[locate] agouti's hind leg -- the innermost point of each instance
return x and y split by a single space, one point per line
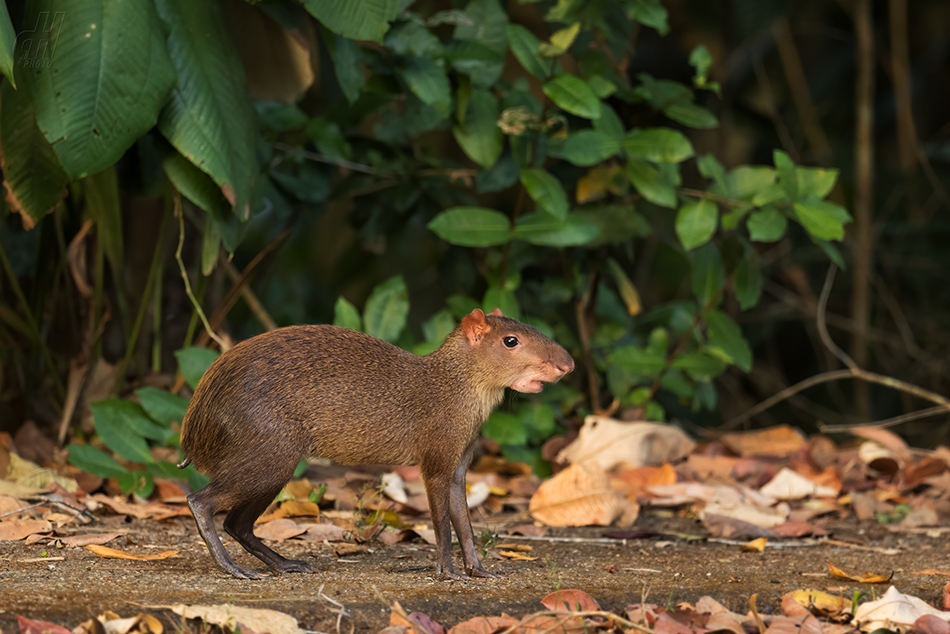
203 505
239 523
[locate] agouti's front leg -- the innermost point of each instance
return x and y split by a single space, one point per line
462 521
438 482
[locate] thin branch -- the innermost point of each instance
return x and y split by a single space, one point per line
888 422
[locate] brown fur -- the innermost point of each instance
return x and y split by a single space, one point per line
339 394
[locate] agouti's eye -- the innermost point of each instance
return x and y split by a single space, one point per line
510 342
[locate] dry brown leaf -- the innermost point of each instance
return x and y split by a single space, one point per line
930 624
819 602
797 528
142 511
725 622
806 624
74 541
295 508
552 625
344 550
484 625
894 611
775 441
867 577
230 616
573 600
520 548
610 442
279 530
324 532
112 623
732 528
931 571
578 496
754 546
415 622
14 530
516 556
789 485
111 553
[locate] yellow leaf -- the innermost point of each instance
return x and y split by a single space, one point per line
867 577
512 555
821 603
561 40
598 182
112 553
755 546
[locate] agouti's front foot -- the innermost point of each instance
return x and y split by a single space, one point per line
480 573
293 565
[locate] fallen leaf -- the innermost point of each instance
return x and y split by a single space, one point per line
806 624
867 577
820 603
342 550
894 611
931 571
789 485
930 624
732 528
776 441
416 622
30 626
572 600
754 546
666 624
610 442
279 530
797 528
112 623
295 508
515 556
111 553
15 530
324 532
74 541
552 625
577 496
230 616
484 625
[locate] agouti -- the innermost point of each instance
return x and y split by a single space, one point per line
339 394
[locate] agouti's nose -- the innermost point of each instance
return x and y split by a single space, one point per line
565 365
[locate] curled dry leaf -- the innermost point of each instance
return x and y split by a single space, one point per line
894 611
754 546
789 485
111 553
20 529
230 616
867 577
112 623
578 496
610 442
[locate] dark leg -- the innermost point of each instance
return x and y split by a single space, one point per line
438 487
240 525
203 505
461 520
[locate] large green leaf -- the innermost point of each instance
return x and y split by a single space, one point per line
525 47
480 137
95 461
355 19
347 58
428 82
472 226
123 427
346 315
660 145
691 114
696 223
486 28
643 361
207 116
104 208
387 308
699 366
589 147
105 79
543 229
33 178
546 191
161 406
572 94
7 44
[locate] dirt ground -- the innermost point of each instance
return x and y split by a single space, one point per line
665 569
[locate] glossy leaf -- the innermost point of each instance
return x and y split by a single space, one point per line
487 29
123 427
193 362
95 461
699 366
822 219
346 315
546 191
628 292
726 335
207 116
746 181
355 19
347 57
33 178
387 309
609 123
815 181
650 13
692 115
106 76
428 82
711 168
472 226
767 225
546 230
480 137
525 47
642 361
7 44
560 41
696 223
589 147
660 145
573 95
651 184
162 407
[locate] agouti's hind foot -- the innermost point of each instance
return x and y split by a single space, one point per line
293 565
481 573
240 572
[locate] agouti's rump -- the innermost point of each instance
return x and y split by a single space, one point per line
339 394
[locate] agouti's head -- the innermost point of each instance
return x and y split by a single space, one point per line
515 354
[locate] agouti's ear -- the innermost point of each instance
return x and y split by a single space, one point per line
497 313
474 325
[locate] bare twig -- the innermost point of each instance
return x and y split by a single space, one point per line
888 422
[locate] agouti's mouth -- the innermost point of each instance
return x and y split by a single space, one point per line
528 387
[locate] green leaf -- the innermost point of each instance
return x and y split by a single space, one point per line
650 13
488 29
560 41
701 60
428 82
355 19
641 361
525 47
207 116
503 298
726 335
711 168
162 407
328 137
767 225
699 366
480 137
505 429
386 310
193 362
546 191
346 315
608 122
139 482
95 461
101 191
347 57
589 147
197 186
626 288
573 95
7 44
659 145
546 230
748 281
33 178
472 226
746 181
815 181
106 75
708 275
651 184
787 178
696 223
822 219
692 115
123 427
